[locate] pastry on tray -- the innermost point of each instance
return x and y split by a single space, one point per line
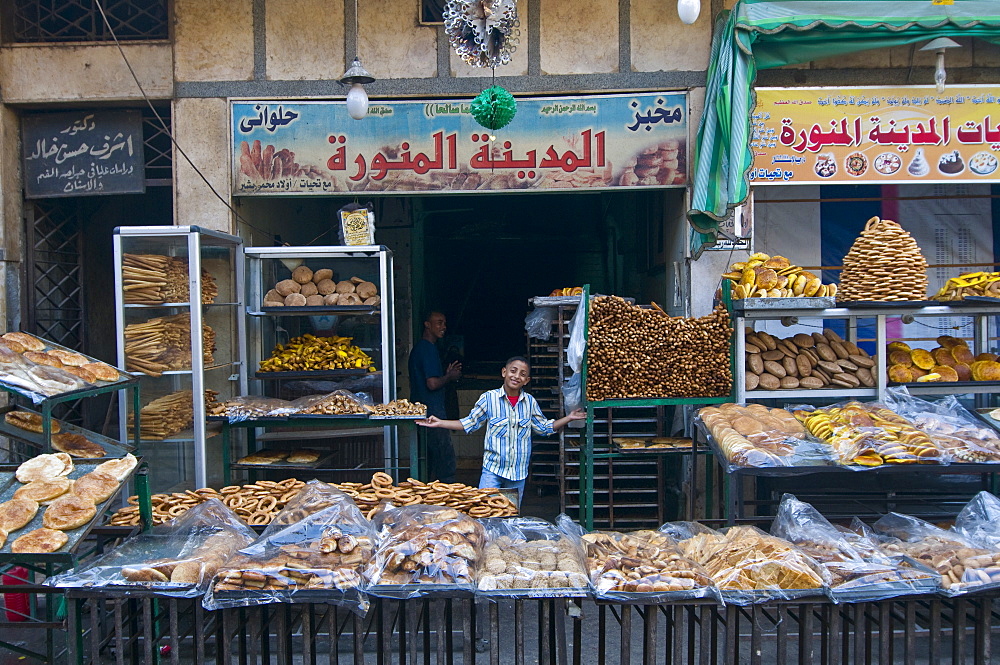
77 445
39 541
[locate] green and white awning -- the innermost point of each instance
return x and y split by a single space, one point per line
762 34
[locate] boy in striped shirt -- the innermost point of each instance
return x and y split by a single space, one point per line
510 415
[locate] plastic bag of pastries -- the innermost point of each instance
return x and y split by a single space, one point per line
313 550
424 550
177 559
527 556
979 521
868 434
856 574
251 407
641 566
963 565
750 566
757 436
954 429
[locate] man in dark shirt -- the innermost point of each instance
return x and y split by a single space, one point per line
427 382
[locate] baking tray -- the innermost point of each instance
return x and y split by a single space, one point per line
66 553
124 378
283 465
311 374
318 310
423 417
979 300
886 590
889 304
955 384
561 592
113 447
403 591
777 304
647 450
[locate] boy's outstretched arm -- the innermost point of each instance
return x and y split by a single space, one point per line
578 414
434 421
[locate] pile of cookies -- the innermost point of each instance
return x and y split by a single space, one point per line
745 558
959 564
152 279
869 435
754 435
257 503
69 504
425 545
884 264
640 562
519 561
951 360
470 500
764 276
982 284
307 288
334 404
326 559
399 407
806 361
961 440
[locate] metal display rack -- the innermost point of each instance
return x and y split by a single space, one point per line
182 460
589 456
372 326
886 497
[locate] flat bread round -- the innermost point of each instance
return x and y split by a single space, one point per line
43 358
77 445
45 467
16 513
303 457
31 422
81 373
39 541
44 491
96 486
70 358
102 371
69 512
29 342
119 468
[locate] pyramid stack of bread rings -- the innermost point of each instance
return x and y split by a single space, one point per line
883 264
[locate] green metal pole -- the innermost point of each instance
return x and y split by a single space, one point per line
142 492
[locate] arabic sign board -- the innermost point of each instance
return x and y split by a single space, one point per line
594 142
906 134
83 153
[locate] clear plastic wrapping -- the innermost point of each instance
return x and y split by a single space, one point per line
962 565
527 556
756 436
336 403
952 427
313 551
979 521
424 550
178 559
749 566
250 407
852 576
867 435
643 566
538 322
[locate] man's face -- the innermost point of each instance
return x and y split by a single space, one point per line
515 375
436 324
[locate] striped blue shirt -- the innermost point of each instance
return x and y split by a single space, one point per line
507 450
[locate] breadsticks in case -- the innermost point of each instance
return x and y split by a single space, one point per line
318 543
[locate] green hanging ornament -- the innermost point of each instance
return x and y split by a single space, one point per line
494 107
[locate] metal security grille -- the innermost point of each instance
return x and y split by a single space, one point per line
31 21
158 148
55 273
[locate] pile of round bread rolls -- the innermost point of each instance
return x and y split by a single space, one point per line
806 361
319 289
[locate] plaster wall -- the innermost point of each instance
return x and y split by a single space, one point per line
654 25
392 44
12 258
67 73
579 37
201 127
305 40
213 40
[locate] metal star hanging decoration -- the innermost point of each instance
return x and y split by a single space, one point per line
484 33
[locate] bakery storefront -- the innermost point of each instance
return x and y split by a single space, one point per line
581 189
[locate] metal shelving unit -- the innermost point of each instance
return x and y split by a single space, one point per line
372 327
186 463
592 454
